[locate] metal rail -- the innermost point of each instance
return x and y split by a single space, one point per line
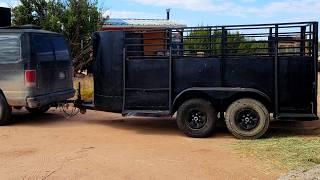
258 40
293 39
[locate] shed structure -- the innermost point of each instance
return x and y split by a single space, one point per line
157 39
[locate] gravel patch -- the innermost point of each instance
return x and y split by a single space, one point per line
311 174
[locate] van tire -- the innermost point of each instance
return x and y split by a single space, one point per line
197 118
247 119
40 110
5 111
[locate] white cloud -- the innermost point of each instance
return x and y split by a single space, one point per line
248 8
294 6
131 14
196 5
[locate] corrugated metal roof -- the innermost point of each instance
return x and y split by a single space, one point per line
115 22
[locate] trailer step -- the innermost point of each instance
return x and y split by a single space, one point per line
152 113
297 116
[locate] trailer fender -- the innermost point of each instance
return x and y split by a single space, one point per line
2 94
220 97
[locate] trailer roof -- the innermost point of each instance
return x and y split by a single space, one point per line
143 23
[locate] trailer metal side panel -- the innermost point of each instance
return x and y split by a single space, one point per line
155 81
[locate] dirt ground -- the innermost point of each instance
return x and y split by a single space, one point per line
102 145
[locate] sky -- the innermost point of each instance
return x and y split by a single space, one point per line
217 12
211 12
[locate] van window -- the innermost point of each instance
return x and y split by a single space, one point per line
61 48
43 48
9 48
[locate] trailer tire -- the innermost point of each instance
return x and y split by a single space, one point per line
5 111
247 119
197 118
40 110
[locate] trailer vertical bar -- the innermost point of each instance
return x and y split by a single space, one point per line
310 38
210 38
276 90
223 53
303 41
124 80
215 53
315 61
79 91
181 52
270 44
170 70
170 80
223 41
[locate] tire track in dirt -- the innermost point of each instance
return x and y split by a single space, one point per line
106 146
43 173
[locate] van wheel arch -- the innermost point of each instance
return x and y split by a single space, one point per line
4 96
5 110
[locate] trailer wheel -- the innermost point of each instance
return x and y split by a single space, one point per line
5 111
39 110
247 119
196 118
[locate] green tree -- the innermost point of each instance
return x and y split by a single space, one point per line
23 13
76 19
209 41
82 18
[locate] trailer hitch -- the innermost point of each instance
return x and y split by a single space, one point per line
73 107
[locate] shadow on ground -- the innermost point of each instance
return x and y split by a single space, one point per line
167 126
24 118
162 126
150 126
294 128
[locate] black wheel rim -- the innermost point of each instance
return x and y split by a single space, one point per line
247 119
196 119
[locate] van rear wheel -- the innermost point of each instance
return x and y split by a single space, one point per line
197 118
5 111
247 119
39 110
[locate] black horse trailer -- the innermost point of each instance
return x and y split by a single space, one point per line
244 73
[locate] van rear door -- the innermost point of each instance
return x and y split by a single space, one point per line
54 66
64 69
43 57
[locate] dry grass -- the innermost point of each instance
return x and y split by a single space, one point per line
286 153
86 86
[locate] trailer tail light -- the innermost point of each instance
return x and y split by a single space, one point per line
30 78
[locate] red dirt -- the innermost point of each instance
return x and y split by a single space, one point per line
106 146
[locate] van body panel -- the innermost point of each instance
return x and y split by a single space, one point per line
54 77
12 67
